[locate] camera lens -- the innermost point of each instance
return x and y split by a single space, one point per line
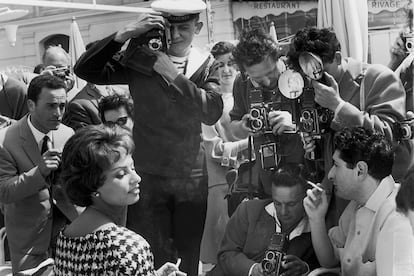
255 113
256 124
406 132
270 255
155 44
323 118
307 125
306 115
268 265
409 44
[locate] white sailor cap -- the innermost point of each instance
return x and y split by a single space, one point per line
179 10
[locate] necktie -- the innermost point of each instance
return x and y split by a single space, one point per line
47 144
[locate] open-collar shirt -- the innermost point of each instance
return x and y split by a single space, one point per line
374 239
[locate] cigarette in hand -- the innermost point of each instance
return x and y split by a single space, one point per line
178 263
315 186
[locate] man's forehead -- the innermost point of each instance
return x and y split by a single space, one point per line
51 94
337 157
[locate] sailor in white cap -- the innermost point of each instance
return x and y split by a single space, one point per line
173 94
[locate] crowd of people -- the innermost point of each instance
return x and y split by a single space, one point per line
205 158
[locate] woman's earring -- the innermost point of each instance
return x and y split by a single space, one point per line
96 194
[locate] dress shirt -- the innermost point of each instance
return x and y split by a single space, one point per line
367 240
37 134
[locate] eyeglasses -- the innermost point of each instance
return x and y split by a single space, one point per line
121 121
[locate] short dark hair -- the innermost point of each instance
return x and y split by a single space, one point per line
322 42
87 155
291 174
114 102
43 81
39 68
222 48
254 47
405 196
360 144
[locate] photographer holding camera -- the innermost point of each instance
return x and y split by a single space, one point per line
358 94
260 110
173 94
57 63
270 236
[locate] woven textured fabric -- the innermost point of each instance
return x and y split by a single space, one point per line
110 251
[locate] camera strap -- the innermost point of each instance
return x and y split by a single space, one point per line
249 184
360 81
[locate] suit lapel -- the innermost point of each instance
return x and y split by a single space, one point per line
95 93
28 142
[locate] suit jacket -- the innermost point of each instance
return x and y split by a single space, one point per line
13 97
83 110
26 194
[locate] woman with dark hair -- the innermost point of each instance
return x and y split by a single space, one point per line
98 173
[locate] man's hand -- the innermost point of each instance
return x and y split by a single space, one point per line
316 204
144 23
164 66
293 266
169 269
327 95
281 121
257 270
50 161
69 78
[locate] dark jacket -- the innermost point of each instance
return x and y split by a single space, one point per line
167 116
247 238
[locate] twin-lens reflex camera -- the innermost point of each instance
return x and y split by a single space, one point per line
409 41
273 258
404 130
261 103
307 115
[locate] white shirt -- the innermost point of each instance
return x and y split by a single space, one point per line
374 239
38 135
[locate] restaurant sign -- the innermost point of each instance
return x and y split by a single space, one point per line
377 6
262 8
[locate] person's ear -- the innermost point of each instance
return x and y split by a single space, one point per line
198 27
31 105
361 169
338 57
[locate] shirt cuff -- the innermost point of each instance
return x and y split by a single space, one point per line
338 108
251 269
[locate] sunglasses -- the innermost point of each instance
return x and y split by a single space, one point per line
121 121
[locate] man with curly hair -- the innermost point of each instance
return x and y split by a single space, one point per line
258 57
371 238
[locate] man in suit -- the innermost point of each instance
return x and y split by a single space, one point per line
13 96
82 110
27 176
